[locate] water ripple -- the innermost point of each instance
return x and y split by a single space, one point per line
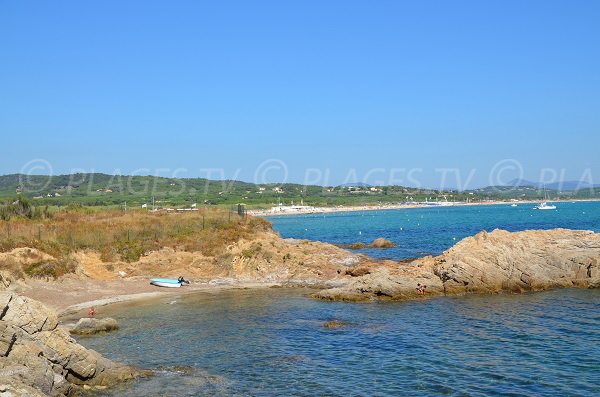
271 343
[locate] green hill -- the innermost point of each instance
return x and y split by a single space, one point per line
97 189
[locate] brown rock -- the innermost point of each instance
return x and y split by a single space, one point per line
382 243
91 326
487 263
377 243
358 271
36 353
334 324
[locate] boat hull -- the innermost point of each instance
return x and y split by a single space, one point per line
165 282
545 206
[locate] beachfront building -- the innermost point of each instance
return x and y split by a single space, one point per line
291 208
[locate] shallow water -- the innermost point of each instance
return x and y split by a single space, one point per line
423 231
273 342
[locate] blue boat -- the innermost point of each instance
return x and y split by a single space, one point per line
168 282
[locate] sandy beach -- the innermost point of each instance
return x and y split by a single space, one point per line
72 295
325 210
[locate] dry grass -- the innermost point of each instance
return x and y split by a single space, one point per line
119 235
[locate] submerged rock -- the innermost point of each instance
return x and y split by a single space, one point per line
334 324
37 354
382 243
377 243
499 261
92 326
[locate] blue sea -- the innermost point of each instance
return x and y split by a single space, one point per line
430 231
272 342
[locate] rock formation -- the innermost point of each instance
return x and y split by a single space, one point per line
38 356
499 261
485 263
377 243
92 326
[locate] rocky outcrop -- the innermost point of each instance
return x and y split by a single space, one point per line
499 261
377 243
485 263
37 354
92 326
334 324
11 387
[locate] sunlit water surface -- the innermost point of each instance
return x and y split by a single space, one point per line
423 231
273 342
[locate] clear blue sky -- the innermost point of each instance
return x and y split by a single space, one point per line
329 85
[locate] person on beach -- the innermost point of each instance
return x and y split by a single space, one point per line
91 312
182 280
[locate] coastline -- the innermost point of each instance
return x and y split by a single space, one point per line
68 302
256 263
386 207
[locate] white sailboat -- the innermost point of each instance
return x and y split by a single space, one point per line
544 204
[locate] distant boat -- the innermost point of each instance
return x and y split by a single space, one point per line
513 205
544 204
168 282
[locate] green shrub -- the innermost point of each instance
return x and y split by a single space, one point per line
252 250
130 251
47 269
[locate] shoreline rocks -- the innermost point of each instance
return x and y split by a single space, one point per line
334 324
92 326
37 354
380 243
499 261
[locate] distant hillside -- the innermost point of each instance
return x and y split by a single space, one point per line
568 186
111 190
98 189
355 184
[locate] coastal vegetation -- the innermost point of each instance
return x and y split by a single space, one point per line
22 207
119 235
119 191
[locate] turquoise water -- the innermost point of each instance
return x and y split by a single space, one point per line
273 343
424 231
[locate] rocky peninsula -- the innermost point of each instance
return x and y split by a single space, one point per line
38 357
499 261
